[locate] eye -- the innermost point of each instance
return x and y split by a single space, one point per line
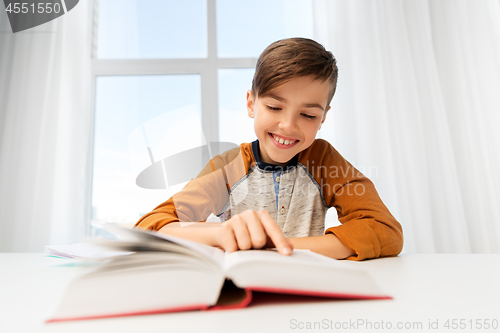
272 108
308 116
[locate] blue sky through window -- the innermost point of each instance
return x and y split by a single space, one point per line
130 29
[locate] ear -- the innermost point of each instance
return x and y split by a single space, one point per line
324 117
250 103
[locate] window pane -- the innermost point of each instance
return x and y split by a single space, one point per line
162 112
131 29
234 124
246 28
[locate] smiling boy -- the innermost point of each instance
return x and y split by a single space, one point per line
275 191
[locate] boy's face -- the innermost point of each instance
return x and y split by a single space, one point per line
287 118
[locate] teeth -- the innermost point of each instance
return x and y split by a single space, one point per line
283 141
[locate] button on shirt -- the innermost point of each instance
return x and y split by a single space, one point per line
276 177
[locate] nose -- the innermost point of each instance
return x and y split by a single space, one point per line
288 123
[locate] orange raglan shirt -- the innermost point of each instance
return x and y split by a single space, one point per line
297 196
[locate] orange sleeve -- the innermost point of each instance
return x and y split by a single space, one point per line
206 194
367 227
159 217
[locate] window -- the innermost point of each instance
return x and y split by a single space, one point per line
135 114
171 76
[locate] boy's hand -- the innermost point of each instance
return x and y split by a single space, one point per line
252 230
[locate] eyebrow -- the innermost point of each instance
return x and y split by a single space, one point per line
307 105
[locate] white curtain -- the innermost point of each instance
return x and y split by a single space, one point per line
418 109
45 126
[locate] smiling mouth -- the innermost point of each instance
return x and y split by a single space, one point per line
283 141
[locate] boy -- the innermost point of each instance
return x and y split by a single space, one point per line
275 191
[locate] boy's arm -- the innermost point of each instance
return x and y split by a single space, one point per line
206 194
328 245
194 203
201 232
207 233
367 227
245 231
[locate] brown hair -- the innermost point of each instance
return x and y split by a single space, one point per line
291 58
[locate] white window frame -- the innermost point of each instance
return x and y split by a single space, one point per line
207 68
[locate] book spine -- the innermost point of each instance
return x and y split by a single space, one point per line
243 304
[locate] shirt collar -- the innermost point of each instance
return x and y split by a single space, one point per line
272 167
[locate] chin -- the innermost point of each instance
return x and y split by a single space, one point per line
283 160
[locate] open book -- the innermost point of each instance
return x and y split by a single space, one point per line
168 274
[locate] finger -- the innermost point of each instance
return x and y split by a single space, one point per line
241 232
258 235
274 232
227 239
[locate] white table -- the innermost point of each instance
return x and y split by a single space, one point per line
426 289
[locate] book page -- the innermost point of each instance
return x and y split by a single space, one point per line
271 255
210 251
303 272
170 243
82 251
